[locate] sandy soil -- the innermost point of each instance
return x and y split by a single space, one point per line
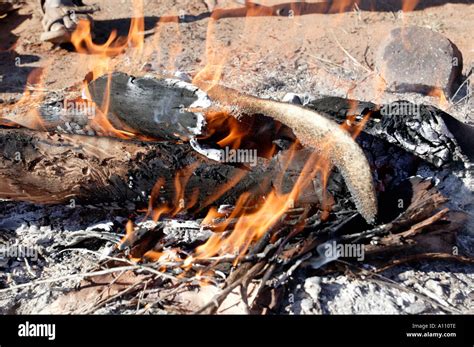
268 56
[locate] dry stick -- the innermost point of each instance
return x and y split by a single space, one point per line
91 274
28 268
97 298
171 293
271 269
289 272
70 277
245 297
465 97
241 277
214 260
112 298
153 266
140 297
80 236
468 78
265 278
214 304
418 257
380 230
327 62
313 130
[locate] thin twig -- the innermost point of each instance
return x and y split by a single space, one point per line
468 78
69 277
98 296
215 303
90 274
354 60
328 62
112 298
161 299
418 257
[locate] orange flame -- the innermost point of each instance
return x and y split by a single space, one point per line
409 5
181 201
252 216
340 6
99 59
251 226
29 103
439 94
102 63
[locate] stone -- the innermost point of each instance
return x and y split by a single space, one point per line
417 59
416 308
312 287
434 287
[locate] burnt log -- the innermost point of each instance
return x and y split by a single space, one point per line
150 106
423 130
159 109
121 106
54 168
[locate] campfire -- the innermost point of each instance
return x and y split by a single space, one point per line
214 197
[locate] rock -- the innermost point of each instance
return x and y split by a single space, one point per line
416 59
434 287
416 308
312 287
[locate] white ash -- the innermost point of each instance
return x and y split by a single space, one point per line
185 231
211 153
297 99
178 231
183 76
428 288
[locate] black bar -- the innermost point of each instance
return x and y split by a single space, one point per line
222 330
